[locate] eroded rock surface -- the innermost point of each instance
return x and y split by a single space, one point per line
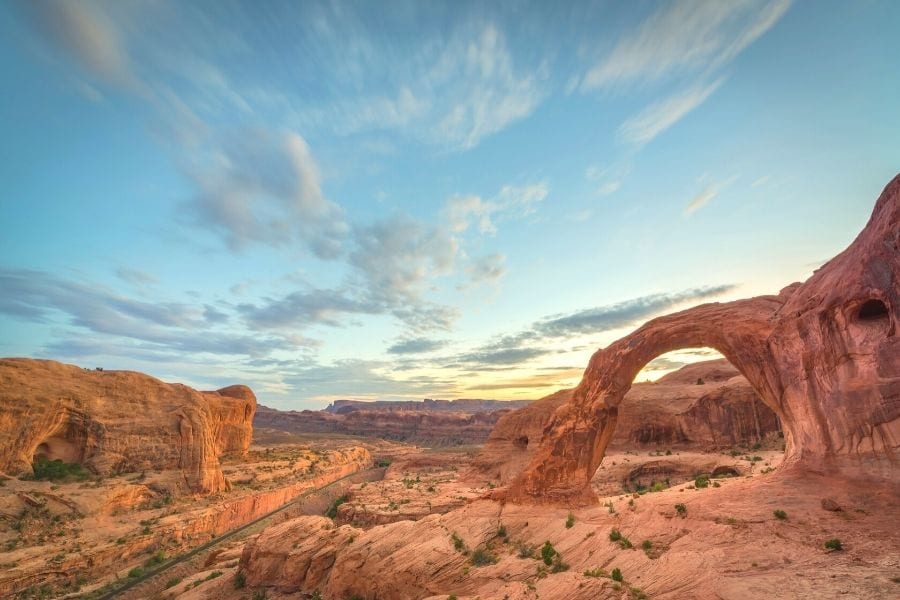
119 421
675 412
823 355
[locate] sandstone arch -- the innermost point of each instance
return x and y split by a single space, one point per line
824 355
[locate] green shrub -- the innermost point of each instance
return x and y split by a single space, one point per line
780 514
646 545
136 572
173 582
526 550
332 511
616 575
458 544
158 558
598 572
570 521
57 470
240 580
615 535
834 544
701 481
481 558
548 553
501 531
681 509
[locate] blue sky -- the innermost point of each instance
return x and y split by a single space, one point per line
407 200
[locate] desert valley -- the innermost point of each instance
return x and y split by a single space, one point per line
449 300
770 473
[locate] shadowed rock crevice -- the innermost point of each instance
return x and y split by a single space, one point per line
823 355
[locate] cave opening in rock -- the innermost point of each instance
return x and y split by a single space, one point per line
57 448
689 416
873 311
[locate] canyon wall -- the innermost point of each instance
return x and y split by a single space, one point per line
118 421
416 424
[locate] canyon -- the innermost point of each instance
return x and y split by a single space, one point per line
769 473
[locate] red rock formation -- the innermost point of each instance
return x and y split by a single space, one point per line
672 413
824 355
118 421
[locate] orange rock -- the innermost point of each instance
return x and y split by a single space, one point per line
824 355
672 413
119 421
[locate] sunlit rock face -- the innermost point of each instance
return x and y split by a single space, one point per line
824 355
704 406
119 421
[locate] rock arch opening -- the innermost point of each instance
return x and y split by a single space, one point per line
688 413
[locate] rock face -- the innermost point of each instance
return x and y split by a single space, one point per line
429 423
674 412
119 421
824 355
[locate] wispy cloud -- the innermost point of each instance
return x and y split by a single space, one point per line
416 346
87 35
161 326
264 187
511 202
684 37
658 117
688 41
543 336
708 194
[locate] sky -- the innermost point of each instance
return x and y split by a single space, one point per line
403 200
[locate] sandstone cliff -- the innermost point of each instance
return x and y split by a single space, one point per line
118 421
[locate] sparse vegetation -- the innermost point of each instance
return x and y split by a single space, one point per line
570 521
173 582
681 509
136 572
482 557
332 511
834 544
501 531
616 575
57 470
548 553
646 545
458 544
240 580
780 514
525 550
702 481
598 572
616 536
